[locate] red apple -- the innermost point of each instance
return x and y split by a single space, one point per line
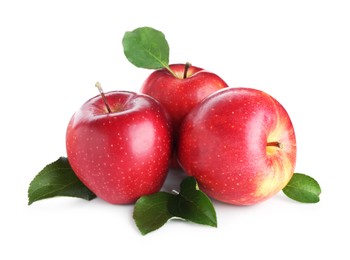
181 93
122 154
240 145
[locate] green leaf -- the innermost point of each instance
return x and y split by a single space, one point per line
303 188
192 204
146 48
151 212
57 179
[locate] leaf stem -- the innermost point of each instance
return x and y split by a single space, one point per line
170 70
175 192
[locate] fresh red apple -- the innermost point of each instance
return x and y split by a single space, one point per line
181 93
240 145
120 151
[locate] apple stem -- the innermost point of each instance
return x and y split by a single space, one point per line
98 86
277 144
187 66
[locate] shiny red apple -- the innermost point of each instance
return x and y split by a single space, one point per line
180 93
240 145
120 151
181 90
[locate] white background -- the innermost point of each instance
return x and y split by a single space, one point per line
53 52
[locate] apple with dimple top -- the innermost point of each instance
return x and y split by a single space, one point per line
180 90
240 145
119 145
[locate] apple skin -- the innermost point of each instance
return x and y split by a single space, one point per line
240 145
124 154
178 94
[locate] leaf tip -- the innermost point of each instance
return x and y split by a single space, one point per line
214 224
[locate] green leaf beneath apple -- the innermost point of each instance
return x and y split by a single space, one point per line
57 179
303 188
193 204
153 211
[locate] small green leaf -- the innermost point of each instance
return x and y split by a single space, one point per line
303 188
151 211
192 204
146 48
57 179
